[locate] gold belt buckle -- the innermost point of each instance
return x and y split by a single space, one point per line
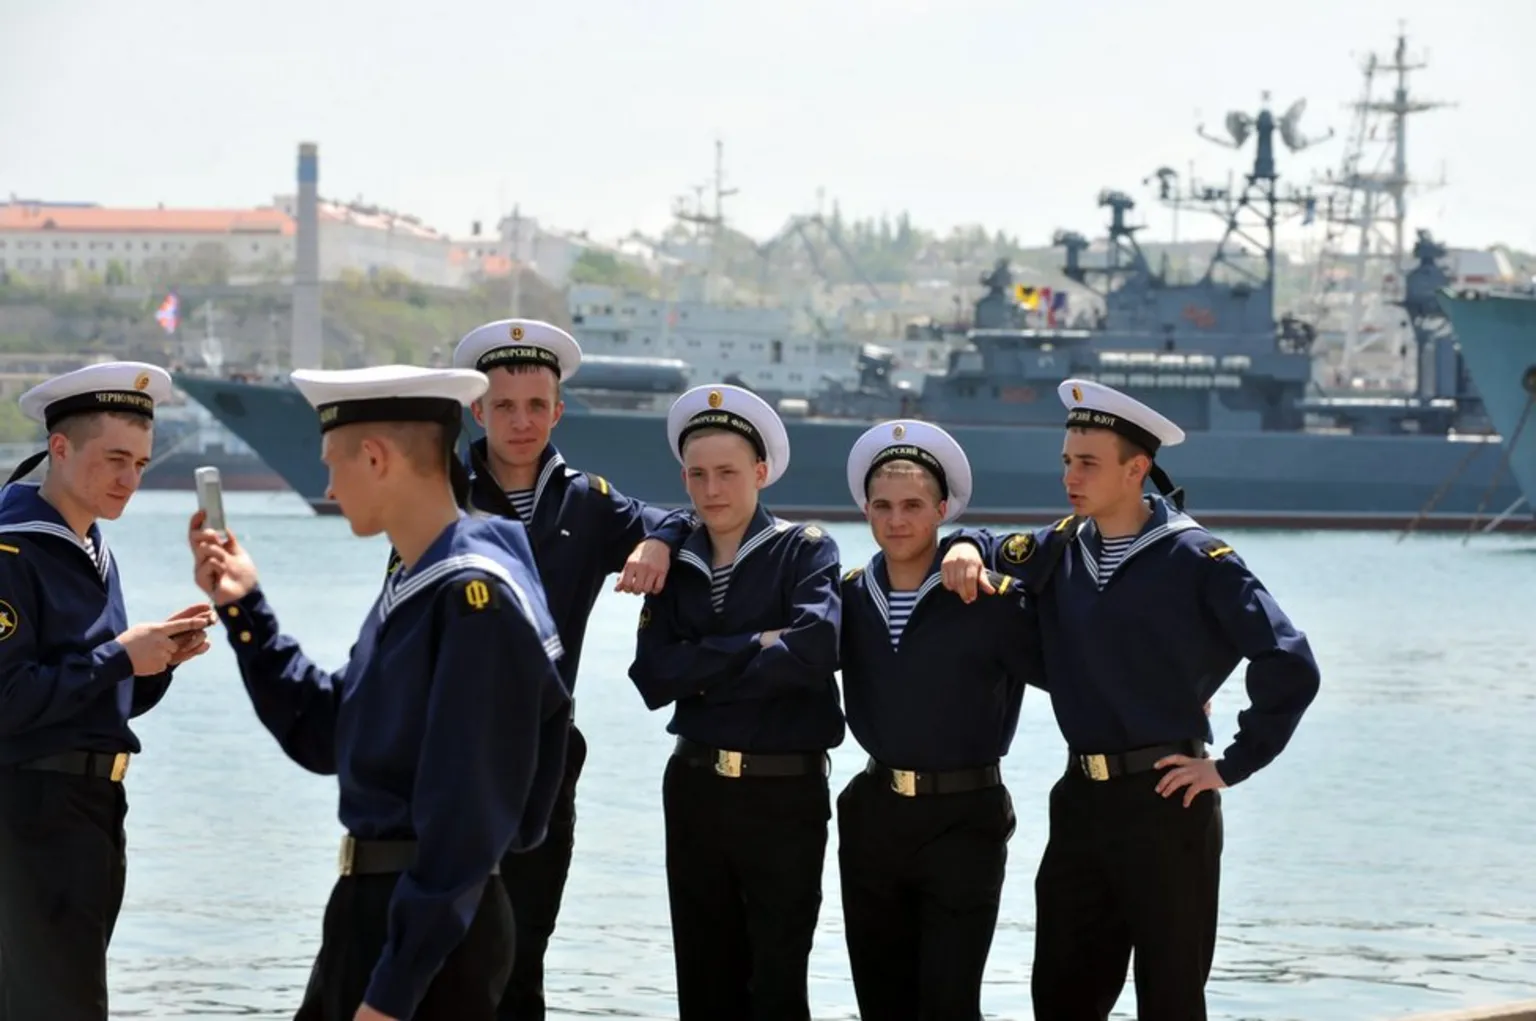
348 850
1096 766
119 767
904 782
727 763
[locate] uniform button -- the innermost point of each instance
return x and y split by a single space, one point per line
234 611
245 636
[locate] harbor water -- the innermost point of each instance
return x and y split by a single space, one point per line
1381 866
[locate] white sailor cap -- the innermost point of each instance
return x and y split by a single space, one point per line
920 442
1096 406
390 393
132 387
519 342
722 406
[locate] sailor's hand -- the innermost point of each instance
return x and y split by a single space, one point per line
221 567
1195 775
367 1013
963 571
646 569
191 644
152 648
767 638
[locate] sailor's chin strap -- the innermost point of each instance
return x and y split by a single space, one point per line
28 466
1165 486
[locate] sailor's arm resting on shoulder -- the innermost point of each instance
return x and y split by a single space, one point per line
671 665
637 538
1019 648
968 553
803 655
1283 676
37 694
479 757
294 698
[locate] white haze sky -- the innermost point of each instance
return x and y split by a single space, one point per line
596 115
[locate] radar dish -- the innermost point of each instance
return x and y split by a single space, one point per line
1239 125
1289 133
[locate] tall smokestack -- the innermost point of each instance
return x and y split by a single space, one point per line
305 353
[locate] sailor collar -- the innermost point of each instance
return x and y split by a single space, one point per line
878 585
697 552
1164 522
39 517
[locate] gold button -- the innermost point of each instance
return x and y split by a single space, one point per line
234 611
245 636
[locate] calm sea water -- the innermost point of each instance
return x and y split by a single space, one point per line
1382 866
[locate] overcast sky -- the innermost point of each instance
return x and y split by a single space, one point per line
596 115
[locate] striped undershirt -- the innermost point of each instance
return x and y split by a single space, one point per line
522 502
719 578
900 605
1111 553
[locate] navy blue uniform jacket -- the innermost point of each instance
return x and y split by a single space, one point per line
1133 665
948 695
582 531
66 683
726 690
447 725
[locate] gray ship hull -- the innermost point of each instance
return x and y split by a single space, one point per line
1497 334
1257 479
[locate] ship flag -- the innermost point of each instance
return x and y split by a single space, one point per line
166 314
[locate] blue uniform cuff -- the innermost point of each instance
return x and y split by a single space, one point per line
248 621
113 664
392 991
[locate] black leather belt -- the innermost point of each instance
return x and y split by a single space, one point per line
739 764
1138 760
909 783
106 765
378 857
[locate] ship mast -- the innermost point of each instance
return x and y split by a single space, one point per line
714 222
1360 269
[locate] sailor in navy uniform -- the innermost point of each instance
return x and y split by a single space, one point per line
742 643
72 674
445 728
582 530
1143 615
932 689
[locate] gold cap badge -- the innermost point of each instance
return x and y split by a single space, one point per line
1077 394
898 431
716 398
141 382
517 333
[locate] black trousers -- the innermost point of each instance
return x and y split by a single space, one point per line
744 861
535 883
921 879
1126 870
468 986
62 865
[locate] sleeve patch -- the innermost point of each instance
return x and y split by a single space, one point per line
1216 549
598 483
10 621
1019 547
477 595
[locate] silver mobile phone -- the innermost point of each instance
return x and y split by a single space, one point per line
210 498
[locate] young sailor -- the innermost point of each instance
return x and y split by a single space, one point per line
582 530
1143 617
446 727
72 674
742 643
932 689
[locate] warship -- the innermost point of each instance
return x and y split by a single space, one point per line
1497 333
1266 446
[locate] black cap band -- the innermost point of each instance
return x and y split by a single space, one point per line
1087 418
518 354
133 402
727 421
909 452
444 410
